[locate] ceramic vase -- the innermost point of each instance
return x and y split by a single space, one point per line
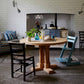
36 36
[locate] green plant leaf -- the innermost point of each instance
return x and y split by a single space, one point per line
32 32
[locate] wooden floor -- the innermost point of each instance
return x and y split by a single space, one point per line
64 74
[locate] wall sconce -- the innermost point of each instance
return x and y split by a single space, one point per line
16 5
81 11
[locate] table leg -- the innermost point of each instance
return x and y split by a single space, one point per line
47 66
40 65
47 60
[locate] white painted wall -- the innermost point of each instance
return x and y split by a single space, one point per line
11 20
64 20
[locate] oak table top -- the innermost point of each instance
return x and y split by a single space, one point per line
57 41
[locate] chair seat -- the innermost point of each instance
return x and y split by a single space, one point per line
22 63
19 58
66 48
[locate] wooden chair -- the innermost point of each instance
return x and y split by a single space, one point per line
68 60
81 39
18 57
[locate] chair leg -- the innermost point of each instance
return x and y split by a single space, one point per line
61 55
12 68
33 66
24 72
69 57
21 68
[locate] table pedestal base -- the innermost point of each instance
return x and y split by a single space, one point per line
49 70
44 61
53 66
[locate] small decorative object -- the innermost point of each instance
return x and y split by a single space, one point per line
36 36
52 25
29 39
38 25
48 38
52 36
45 26
42 35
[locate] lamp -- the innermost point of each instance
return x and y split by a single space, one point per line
81 11
15 5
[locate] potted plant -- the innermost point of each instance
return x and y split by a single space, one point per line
32 32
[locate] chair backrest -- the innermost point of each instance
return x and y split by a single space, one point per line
17 49
71 39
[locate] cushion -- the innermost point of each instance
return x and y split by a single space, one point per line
2 36
13 33
10 36
6 37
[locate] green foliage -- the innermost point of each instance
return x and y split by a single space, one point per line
38 31
32 32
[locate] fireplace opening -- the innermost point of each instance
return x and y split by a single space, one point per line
48 21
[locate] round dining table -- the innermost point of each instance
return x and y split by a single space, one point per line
44 59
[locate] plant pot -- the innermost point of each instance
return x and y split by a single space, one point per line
29 39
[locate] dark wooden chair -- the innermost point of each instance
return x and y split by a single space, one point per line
81 39
18 57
